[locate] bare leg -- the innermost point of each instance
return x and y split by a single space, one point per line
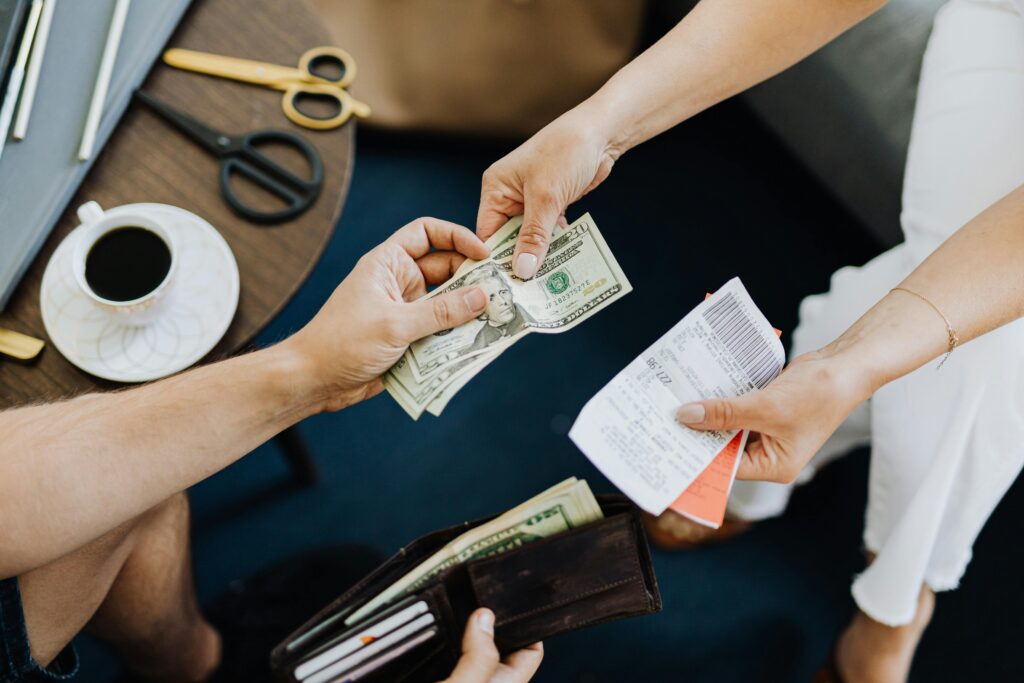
871 652
133 587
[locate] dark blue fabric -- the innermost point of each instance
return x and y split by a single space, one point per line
16 663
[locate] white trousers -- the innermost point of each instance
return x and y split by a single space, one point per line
945 445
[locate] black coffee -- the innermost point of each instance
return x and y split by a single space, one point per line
127 263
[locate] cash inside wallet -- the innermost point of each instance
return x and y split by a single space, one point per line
561 561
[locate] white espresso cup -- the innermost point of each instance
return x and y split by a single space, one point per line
96 223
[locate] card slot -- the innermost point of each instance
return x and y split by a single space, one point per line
333 670
329 620
430 662
385 666
419 664
345 641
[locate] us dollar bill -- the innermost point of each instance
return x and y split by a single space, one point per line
506 234
416 396
440 398
565 506
578 278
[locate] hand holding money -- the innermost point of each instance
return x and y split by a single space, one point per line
542 177
381 301
579 277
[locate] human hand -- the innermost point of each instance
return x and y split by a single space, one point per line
790 419
373 315
480 662
539 179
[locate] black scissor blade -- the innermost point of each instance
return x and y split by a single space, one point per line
213 140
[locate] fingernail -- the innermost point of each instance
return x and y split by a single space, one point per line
691 413
485 621
475 299
525 266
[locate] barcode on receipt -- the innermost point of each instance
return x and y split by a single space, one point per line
738 332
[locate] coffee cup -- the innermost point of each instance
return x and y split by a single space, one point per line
124 262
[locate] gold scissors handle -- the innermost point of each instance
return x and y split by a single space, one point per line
297 83
346 106
327 54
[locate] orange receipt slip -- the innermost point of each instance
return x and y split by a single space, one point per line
704 500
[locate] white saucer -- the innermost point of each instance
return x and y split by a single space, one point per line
201 304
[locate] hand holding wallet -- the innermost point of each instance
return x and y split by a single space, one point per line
583 576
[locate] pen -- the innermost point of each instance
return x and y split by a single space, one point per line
99 93
18 73
35 63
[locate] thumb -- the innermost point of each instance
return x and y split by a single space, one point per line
717 414
444 312
480 657
540 214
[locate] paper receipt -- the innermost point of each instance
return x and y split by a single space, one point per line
724 347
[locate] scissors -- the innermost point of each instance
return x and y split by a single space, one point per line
239 154
306 81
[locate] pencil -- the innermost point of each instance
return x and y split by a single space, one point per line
99 93
18 73
35 64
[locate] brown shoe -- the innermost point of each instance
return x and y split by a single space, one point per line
830 672
672 531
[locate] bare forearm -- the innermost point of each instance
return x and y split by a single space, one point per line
721 48
71 471
974 278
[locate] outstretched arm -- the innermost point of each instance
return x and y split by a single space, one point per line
721 48
71 471
975 279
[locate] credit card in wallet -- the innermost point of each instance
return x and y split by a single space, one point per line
341 666
358 637
387 657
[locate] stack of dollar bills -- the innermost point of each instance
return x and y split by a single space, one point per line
578 278
564 506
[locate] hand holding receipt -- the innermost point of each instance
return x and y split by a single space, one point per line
724 347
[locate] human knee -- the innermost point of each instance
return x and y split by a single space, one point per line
172 515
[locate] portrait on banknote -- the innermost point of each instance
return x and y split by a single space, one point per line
503 317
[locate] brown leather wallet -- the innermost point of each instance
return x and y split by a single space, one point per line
593 574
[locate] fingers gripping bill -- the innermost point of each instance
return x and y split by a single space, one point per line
579 277
542 213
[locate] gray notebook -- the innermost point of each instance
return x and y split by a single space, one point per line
39 175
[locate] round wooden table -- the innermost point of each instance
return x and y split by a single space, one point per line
148 161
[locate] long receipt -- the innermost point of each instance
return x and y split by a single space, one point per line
723 348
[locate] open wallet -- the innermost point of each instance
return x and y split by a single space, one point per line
595 573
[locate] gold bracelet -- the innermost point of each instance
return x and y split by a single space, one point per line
954 338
